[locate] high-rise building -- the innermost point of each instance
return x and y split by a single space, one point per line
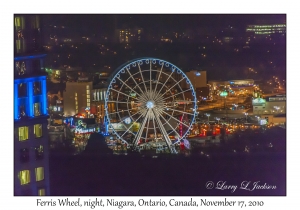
31 157
77 97
128 35
82 98
266 29
197 78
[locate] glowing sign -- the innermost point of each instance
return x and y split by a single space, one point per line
186 143
135 127
118 126
263 122
223 94
133 94
127 120
83 79
258 102
82 130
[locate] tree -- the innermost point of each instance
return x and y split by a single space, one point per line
96 145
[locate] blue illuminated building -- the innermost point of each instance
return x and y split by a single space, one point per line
31 145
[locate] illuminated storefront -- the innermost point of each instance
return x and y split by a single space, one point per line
259 105
270 105
82 133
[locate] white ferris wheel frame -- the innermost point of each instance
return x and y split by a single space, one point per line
153 101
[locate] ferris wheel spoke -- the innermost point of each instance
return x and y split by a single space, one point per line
119 112
154 127
175 119
170 125
140 132
138 113
147 126
164 84
119 102
134 81
143 96
131 125
150 79
159 111
158 77
180 111
123 93
159 99
128 86
163 131
178 94
140 101
147 101
142 77
172 87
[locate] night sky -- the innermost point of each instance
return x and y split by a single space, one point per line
107 22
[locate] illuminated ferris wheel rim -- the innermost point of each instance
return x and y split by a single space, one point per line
152 101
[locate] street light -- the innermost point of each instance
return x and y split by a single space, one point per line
217 118
257 119
277 108
235 105
224 94
246 116
207 114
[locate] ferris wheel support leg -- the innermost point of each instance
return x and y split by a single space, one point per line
170 125
131 125
140 130
166 136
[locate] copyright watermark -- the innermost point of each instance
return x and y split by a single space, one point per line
244 185
209 185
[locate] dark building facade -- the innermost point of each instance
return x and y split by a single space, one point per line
31 157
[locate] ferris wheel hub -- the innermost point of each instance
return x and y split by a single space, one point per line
150 104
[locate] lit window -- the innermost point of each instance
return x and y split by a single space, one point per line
88 104
88 96
38 130
41 192
88 100
24 177
18 22
87 87
39 174
75 94
23 133
87 91
36 109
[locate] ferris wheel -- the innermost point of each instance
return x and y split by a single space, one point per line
150 100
